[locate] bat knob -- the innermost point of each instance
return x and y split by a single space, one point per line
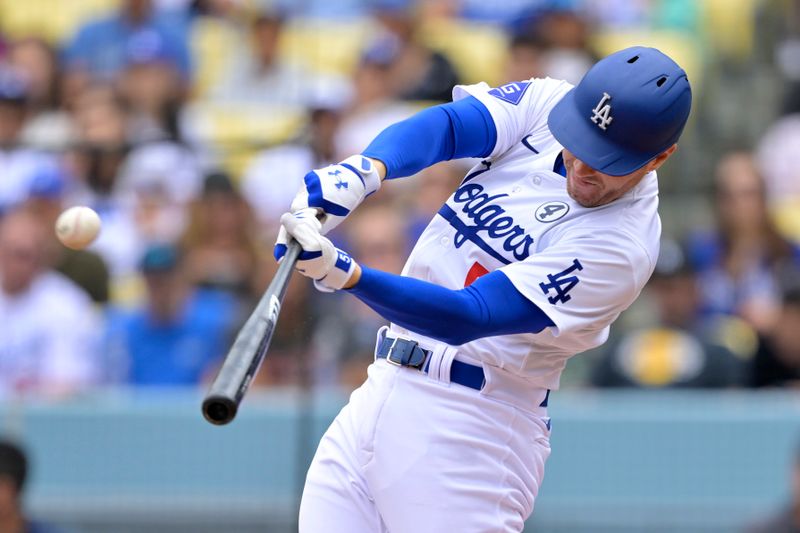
218 410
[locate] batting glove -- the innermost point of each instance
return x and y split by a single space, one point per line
320 260
337 189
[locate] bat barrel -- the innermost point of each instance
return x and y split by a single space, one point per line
221 403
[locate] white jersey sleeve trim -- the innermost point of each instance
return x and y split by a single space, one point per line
518 108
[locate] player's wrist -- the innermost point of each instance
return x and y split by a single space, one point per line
355 277
380 167
366 168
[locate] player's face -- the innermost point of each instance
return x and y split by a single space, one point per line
591 188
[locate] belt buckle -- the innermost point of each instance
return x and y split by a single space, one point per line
389 353
409 357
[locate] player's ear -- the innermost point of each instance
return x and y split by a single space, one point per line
661 158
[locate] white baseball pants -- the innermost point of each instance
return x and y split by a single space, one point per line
413 454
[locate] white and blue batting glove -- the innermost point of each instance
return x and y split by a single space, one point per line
337 189
320 260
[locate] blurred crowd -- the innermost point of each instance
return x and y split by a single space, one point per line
188 125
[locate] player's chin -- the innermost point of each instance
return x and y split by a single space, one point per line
586 194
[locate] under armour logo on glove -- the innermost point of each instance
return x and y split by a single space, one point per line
561 283
334 191
602 112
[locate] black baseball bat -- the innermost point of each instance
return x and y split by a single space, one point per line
247 353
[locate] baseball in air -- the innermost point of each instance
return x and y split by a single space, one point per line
77 227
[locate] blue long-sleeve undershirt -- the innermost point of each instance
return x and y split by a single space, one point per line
449 131
490 306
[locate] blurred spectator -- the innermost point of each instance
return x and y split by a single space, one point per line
777 159
273 178
155 185
620 14
743 265
777 361
48 338
258 75
680 350
167 170
47 126
417 72
212 8
13 475
565 34
95 162
526 58
178 336
101 48
18 164
151 87
140 191
506 12
217 32
323 9
344 342
221 248
85 268
375 104
100 119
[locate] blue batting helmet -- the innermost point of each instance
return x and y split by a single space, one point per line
629 107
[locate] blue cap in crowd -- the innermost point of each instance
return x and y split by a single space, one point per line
159 258
629 107
48 182
147 46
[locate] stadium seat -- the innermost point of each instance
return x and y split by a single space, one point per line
478 51
212 43
310 43
681 46
239 131
786 214
729 27
52 20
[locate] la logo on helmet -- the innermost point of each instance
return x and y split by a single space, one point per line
602 112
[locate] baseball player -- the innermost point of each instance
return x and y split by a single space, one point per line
544 243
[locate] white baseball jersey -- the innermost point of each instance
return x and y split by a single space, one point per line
581 266
49 337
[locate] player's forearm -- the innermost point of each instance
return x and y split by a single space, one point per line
439 133
491 306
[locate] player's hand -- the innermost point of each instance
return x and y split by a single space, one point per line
337 189
329 267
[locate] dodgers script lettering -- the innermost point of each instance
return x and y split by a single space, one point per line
492 219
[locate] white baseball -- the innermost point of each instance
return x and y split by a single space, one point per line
77 227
